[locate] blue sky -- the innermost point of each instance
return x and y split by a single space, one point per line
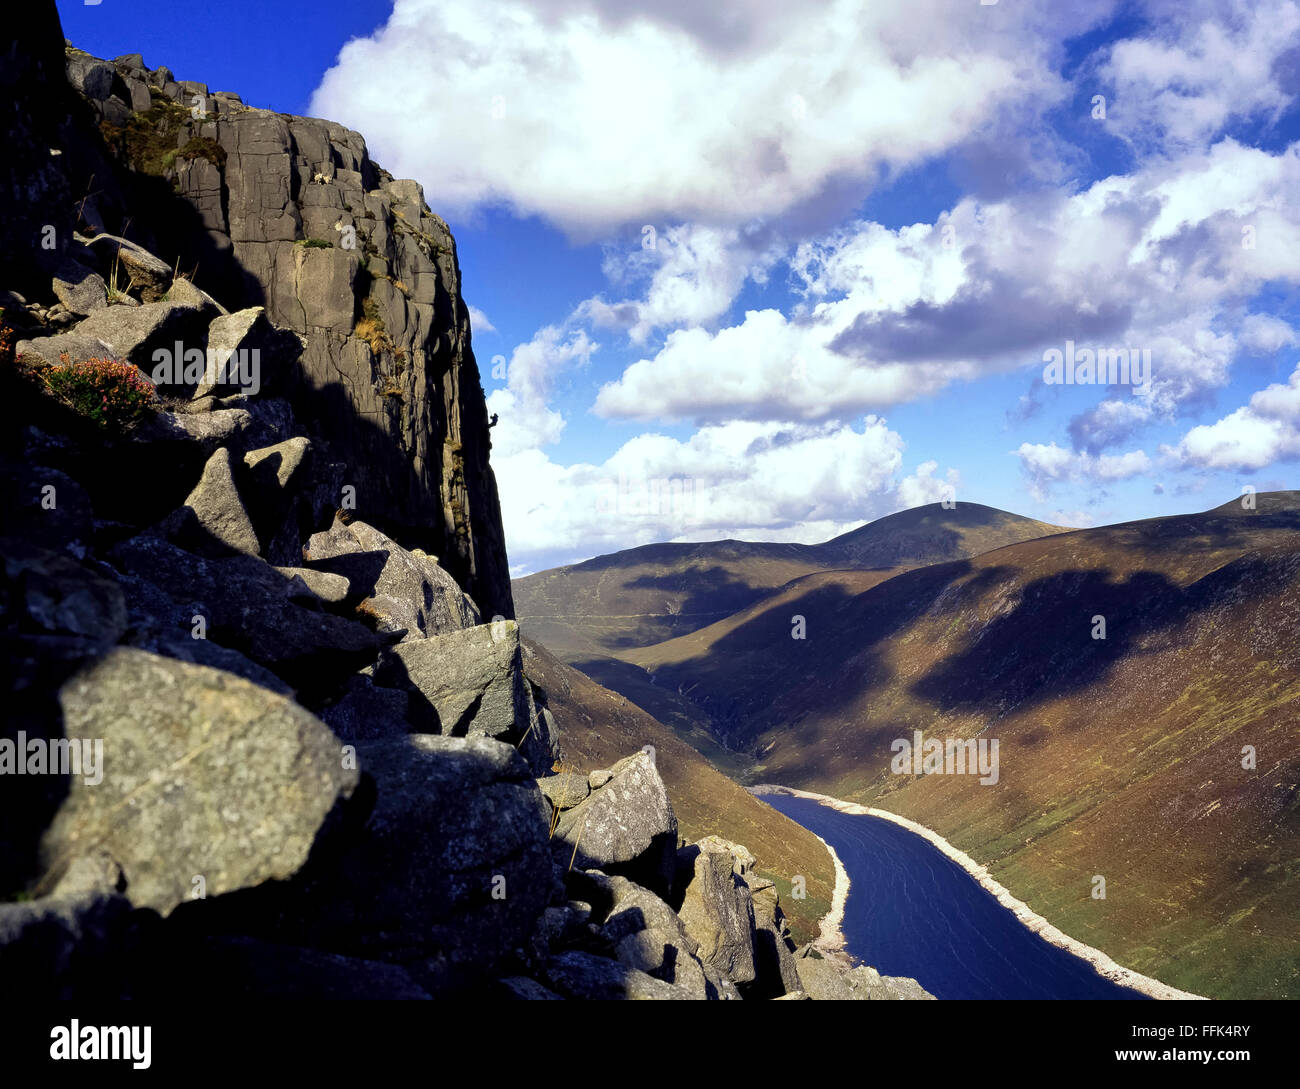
769 271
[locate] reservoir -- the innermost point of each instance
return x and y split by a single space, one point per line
912 911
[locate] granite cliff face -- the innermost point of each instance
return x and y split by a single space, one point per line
288 213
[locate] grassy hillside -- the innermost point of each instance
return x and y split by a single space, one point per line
598 727
726 670
604 606
1120 757
932 534
609 605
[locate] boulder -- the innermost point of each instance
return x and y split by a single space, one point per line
46 506
203 434
560 926
57 610
245 605
903 988
272 479
824 980
471 683
775 972
565 790
204 775
717 909
135 333
50 349
626 827
306 584
165 451
186 293
80 289
403 590
213 521
271 351
146 273
646 934
576 974
62 947
58 613
160 625
366 712
91 76
452 866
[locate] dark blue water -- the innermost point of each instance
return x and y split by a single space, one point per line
912 911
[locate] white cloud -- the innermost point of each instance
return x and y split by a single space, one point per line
1199 65
695 273
755 481
1264 431
1154 261
595 114
767 367
526 420
479 322
924 487
1075 519
1049 464
1265 334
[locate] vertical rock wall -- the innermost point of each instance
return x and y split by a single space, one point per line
290 213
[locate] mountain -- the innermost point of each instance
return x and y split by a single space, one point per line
932 534
606 606
1120 756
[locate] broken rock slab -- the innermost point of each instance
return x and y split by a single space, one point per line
452 866
625 827
471 683
205 778
403 590
717 909
213 522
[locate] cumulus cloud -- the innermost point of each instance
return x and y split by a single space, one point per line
1045 465
598 113
479 322
522 403
694 274
1156 261
924 487
1198 66
1264 431
767 368
1264 334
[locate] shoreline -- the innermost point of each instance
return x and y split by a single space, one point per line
1101 963
830 941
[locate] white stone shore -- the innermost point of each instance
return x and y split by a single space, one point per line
830 941
832 937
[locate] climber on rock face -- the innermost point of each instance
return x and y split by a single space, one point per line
493 422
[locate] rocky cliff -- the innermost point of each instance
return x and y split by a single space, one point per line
261 209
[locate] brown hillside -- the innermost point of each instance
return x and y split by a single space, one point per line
598 727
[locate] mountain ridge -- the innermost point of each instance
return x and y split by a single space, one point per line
1200 612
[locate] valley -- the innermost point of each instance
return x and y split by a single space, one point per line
1121 757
